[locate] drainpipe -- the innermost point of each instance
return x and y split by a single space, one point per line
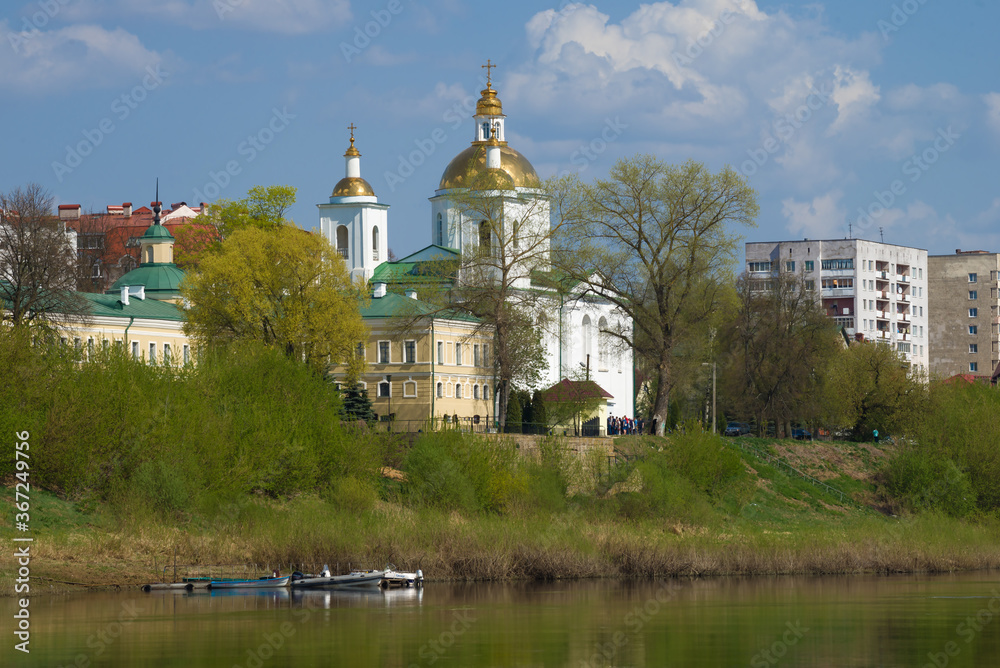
433 384
130 321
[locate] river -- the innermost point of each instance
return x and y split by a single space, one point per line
906 621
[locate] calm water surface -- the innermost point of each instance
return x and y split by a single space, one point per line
911 621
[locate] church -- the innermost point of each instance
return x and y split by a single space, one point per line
574 321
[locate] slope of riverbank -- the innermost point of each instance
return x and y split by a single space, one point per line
785 522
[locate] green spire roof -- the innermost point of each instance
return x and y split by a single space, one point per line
157 231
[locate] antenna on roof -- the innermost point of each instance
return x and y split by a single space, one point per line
156 203
850 230
881 234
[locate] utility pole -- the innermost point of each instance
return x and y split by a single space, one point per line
713 393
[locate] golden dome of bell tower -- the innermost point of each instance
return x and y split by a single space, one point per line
352 185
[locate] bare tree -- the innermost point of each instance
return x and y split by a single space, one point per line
37 260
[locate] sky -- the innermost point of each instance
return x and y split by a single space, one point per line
879 119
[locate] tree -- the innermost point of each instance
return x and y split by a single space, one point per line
356 405
871 387
286 288
264 207
654 240
779 345
37 261
493 279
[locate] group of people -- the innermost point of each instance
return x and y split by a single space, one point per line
620 426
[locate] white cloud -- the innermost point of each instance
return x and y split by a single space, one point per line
992 101
74 57
821 218
855 96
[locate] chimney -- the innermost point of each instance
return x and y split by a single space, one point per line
958 251
137 291
411 294
124 297
379 291
127 209
69 211
177 205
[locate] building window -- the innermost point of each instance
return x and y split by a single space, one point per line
384 389
440 390
383 352
838 264
973 348
458 353
475 355
973 329
375 243
759 266
152 353
440 352
973 294
409 352
973 366
810 285
486 392
187 354
973 278
440 231
810 265
486 354
790 265
972 312
409 389
166 354
458 391
829 283
475 391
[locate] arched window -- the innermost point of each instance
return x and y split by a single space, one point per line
486 392
475 391
517 232
440 231
149 254
342 243
440 390
375 243
485 237
458 390
603 342
585 327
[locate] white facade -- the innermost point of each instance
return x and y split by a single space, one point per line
875 291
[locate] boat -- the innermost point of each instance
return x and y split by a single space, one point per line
355 578
393 579
168 586
259 583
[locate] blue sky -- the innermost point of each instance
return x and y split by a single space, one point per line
876 113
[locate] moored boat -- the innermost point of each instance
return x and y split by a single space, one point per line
393 579
260 583
353 579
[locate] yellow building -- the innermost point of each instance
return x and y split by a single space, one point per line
425 368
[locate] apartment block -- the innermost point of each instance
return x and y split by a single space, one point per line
875 291
964 304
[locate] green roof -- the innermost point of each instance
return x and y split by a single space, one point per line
426 266
110 305
433 253
159 279
157 231
393 305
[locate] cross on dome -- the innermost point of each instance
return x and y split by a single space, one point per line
488 66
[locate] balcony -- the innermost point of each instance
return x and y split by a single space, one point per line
882 274
881 294
838 292
902 317
882 315
902 279
903 297
902 336
342 252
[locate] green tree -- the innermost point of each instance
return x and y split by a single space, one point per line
779 345
655 240
356 405
870 387
286 288
264 207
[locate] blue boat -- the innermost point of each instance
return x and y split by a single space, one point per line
260 583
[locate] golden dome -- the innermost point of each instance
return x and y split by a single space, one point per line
352 186
470 163
489 103
493 179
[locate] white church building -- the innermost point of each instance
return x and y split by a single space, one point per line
575 321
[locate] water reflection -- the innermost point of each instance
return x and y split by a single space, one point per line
792 621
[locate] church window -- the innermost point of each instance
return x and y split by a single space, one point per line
485 235
375 243
602 343
586 338
486 131
517 232
342 243
440 231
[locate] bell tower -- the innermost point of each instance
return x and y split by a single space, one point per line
354 221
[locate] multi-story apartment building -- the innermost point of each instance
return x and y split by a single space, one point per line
964 302
875 291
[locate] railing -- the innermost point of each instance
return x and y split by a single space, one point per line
903 317
780 463
903 297
482 425
838 292
342 252
902 279
882 315
375 255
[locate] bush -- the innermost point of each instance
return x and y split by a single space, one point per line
918 480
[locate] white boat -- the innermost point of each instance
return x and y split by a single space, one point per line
394 579
352 579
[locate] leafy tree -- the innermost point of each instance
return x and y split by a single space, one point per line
286 288
264 207
654 240
779 345
870 387
37 261
192 241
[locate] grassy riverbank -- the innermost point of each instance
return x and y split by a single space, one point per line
786 525
245 460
